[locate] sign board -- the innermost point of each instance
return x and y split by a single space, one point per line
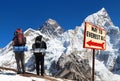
94 37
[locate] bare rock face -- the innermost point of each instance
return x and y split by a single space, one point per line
73 67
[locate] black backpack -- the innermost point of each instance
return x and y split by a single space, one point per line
39 43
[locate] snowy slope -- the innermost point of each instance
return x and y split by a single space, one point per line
7 75
108 59
112 35
109 56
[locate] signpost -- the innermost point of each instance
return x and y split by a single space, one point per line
94 38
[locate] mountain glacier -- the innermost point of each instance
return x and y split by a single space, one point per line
65 56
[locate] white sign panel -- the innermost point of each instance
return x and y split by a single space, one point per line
94 37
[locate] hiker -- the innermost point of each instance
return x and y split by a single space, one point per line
18 41
39 54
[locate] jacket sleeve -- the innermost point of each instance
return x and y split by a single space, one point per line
13 41
44 45
33 46
25 40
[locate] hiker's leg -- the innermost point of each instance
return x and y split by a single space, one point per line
37 63
42 65
23 62
17 58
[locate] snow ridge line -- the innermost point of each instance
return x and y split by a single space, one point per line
27 74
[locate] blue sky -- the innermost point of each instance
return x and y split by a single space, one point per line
33 13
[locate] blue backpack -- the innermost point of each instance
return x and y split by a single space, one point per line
20 48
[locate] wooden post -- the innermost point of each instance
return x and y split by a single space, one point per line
93 66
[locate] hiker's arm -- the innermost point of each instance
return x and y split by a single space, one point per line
33 46
45 46
12 43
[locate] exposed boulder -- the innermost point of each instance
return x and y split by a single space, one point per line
73 67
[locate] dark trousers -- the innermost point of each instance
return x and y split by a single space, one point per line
39 59
19 56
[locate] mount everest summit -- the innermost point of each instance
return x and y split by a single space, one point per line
65 56
51 28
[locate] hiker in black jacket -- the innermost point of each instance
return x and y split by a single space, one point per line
39 55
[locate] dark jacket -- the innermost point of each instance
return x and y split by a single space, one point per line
39 44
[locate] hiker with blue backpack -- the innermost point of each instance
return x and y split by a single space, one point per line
18 43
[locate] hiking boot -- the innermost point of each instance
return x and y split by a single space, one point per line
18 72
38 74
23 72
42 75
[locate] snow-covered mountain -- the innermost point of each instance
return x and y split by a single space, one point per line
102 19
66 56
51 28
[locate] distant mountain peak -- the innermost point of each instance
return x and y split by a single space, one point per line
51 28
103 9
51 21
100 18
103 12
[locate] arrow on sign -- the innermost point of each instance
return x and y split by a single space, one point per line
91 43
